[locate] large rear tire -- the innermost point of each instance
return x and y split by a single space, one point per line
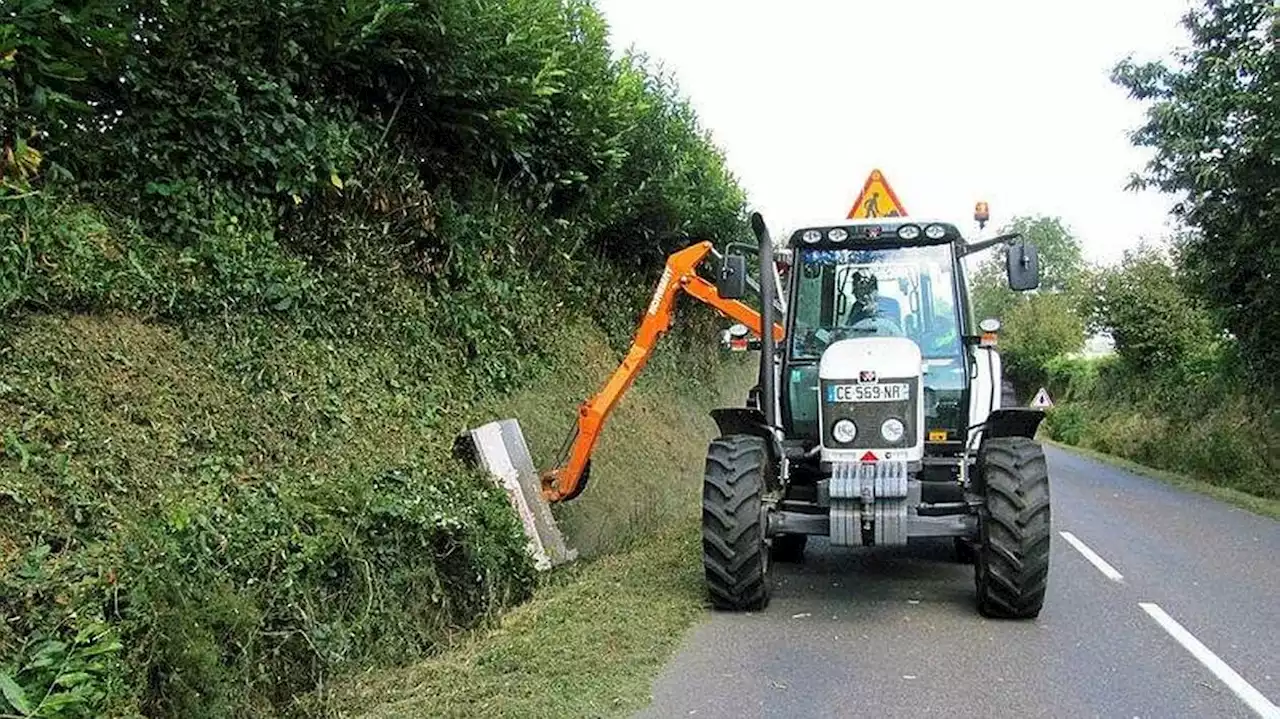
734 554
1012 563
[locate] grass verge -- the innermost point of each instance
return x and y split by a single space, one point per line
588 644
1253 503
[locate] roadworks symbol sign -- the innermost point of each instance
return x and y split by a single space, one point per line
1042 400
876 200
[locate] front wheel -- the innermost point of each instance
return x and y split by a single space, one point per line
734 555
1012 563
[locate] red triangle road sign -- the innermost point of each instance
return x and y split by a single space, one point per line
877 199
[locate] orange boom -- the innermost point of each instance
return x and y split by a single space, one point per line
569 477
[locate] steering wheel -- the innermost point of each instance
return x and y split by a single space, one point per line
879 325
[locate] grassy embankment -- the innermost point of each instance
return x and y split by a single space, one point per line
259 265
592 638
188 459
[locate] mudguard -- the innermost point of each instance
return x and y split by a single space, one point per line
742 420
1013 422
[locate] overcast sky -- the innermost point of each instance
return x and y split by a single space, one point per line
1008 102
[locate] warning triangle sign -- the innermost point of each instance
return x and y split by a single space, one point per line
876 199
1041 400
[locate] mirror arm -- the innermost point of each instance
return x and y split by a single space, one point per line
969 249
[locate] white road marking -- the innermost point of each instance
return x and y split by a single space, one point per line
1102 565
1226 674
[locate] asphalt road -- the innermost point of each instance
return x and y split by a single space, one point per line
893 632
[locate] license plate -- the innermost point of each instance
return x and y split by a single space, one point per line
890 392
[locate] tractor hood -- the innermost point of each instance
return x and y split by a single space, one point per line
896 357
873 384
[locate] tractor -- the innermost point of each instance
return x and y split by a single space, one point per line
877 418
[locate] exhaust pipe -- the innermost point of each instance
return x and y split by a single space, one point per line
768 284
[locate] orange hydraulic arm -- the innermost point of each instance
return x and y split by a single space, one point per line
567 479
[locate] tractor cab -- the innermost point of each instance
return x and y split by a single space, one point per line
877 280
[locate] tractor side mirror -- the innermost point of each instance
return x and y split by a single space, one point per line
732 284
1022 264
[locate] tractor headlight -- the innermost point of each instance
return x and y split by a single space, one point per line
838 235
908 232
935 232
892 430
811 236
844 431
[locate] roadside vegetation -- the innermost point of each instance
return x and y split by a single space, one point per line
259 265
1195 318
587 645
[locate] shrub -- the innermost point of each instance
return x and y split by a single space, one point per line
1155 322
1067 423
1073 377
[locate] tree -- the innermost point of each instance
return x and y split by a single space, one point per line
1036 330
1061 265
1156 324
1214 123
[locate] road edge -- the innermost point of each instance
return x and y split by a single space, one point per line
1260 506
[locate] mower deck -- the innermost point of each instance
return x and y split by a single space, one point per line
501 450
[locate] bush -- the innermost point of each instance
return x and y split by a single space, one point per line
1156 324
1036 331
281 103
1201 419
1071 377
1067 423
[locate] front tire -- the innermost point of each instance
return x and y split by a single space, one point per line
734 554
1012 563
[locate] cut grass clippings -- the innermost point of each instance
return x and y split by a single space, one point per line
1253 503
588 644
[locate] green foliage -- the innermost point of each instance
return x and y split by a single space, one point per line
1062 267
1156 324
47 53
1067 423
279 103
1201 418
252 511
1036 330
259 263
67 678
57 253
1213 123
1071 377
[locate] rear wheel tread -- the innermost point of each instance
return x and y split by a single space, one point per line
733 556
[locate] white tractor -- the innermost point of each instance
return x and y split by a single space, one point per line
878 416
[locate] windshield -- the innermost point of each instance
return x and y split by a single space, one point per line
895 292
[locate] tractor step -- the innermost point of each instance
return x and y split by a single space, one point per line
499 448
